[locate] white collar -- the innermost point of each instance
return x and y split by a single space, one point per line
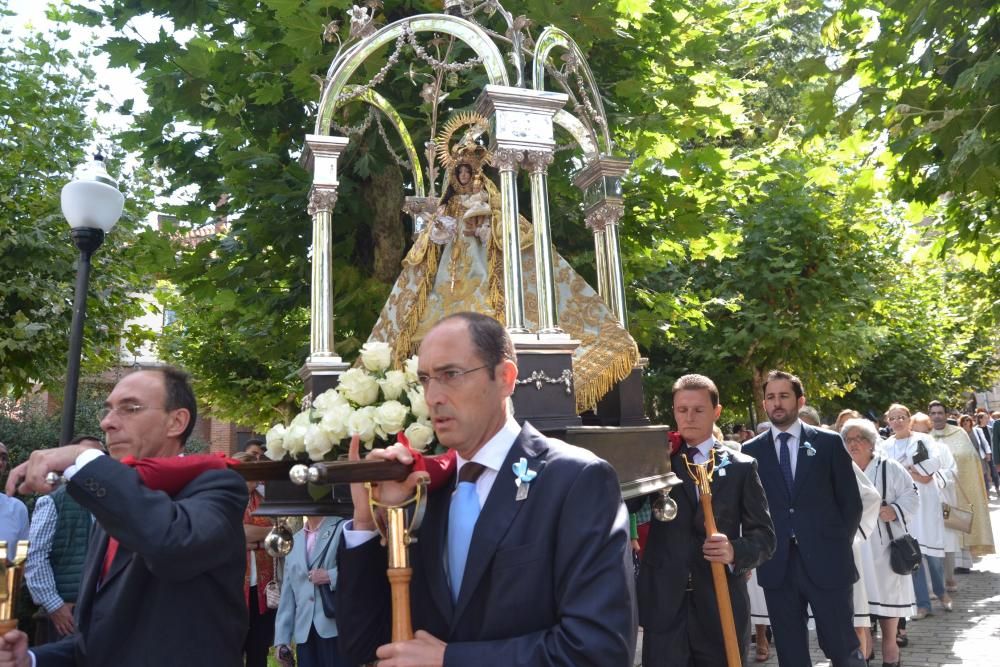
795 430
706 447
494 452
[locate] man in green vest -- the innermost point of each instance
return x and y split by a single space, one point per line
60 530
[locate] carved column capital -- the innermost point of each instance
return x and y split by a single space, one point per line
322 199
538 161
604 214
507 159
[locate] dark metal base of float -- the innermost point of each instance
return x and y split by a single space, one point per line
544 394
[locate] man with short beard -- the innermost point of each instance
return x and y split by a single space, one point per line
816 508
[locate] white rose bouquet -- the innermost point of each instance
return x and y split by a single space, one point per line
373 401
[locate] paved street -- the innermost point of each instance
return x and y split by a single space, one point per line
967 637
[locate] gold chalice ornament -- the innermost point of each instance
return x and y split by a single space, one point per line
397 535
11 571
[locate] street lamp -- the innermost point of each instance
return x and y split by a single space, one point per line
92 205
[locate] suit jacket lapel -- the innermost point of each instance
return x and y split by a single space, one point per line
88 584
768 467
325 531
122 558
434 538
803 465
499 512
677 465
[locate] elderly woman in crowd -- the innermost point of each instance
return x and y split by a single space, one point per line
921 457
303 616
890 595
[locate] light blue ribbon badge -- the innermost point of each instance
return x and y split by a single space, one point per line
522 478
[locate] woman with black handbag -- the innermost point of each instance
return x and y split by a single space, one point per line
306 613
890 595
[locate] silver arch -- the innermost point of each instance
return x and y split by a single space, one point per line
550 39
579 131
347 63
383 105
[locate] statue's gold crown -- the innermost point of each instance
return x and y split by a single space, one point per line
467 150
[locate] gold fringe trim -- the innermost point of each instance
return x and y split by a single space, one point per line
606 364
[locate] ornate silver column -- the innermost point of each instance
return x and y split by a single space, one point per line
548 318
507 160
323 366
602 195
520 120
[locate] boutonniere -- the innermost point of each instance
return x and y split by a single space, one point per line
810 450
523 477
721 461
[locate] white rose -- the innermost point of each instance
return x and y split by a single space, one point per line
335 421
359 387
376 356
328 400
390 417
317 442
420 434
275 440
418 406
295 439
362 423
410 368
393 385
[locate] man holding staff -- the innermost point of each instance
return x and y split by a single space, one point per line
526 562
678 606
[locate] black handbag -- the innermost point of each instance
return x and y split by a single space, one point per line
904 551
328 597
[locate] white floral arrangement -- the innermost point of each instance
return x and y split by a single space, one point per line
371 401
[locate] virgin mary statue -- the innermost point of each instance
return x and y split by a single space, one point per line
456 264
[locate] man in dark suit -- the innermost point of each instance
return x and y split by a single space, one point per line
677 605
160 566
816 508
547 575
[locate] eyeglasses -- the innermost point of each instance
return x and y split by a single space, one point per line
127 410
449 378
857 440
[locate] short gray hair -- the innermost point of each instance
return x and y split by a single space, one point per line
866 427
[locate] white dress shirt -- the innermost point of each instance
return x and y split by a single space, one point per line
491 456
794 442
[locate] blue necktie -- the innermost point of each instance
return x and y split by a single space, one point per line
461 522
785 459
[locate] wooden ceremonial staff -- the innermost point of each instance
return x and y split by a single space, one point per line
702 476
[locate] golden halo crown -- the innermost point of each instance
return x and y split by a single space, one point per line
466 150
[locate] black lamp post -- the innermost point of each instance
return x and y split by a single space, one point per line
92 205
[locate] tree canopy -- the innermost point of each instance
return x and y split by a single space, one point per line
766 207
46 94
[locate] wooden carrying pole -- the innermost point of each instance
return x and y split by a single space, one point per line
399 574
702 479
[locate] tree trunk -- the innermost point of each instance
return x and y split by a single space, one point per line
384 197
757 389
